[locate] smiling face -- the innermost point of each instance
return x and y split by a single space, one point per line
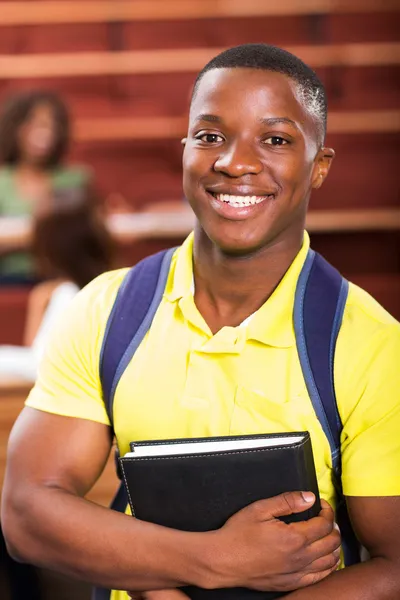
251 159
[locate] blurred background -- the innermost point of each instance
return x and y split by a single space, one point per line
93 104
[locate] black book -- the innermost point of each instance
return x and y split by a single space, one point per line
197 484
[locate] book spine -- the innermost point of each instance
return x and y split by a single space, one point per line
309 477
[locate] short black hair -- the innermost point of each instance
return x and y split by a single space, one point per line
271 58
17 109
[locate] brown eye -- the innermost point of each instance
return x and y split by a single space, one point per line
276 140
210 138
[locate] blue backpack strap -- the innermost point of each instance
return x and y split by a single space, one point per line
320 300
131 316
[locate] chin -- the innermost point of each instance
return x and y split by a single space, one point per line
39 158
240 251
236 246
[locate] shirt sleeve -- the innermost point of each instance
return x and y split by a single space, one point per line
371 422
68 381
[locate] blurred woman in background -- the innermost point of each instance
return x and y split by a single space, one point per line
70 248
34 138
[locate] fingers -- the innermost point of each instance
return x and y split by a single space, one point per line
326 511
284 504
312 578
318 527
325 547
330 561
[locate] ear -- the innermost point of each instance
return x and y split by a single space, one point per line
322 164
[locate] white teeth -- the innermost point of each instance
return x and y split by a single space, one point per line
238 201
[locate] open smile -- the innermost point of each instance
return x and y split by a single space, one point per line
238 201
237 207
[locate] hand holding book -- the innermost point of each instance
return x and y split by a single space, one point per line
298 545
243 491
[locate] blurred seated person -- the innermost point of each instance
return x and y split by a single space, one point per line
34 136
70 247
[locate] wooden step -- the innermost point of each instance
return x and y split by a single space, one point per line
88 64
359 254
13 303
64 11
162 94
279 30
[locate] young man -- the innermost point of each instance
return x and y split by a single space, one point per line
220 358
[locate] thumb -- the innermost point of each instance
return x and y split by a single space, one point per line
284 504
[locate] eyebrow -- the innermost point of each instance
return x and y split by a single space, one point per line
277 120
267 121
209 118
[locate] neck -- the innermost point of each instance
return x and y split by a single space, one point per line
31 168
230 288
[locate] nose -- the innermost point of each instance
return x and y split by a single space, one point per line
237 160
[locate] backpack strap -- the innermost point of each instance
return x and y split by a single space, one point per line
318 310
134 308
320 300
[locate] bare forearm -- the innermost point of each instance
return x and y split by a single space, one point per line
13 245
376 579
69 534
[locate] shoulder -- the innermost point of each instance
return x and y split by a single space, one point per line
360 302
367 352
365 320
99 295
86 312
78 321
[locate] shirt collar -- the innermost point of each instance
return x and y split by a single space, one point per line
272 324
180 280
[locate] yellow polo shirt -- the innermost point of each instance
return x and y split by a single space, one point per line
185 382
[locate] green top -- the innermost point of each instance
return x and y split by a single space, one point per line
12 204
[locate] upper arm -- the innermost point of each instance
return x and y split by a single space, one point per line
376 522
50 450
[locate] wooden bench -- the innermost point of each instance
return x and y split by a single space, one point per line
64 11
89 64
